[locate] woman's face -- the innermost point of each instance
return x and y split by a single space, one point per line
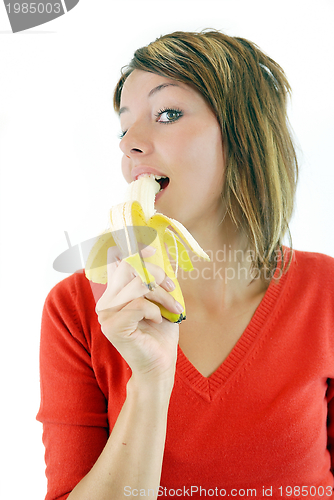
168 129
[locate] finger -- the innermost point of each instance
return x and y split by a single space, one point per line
115 256
133 290
160 276
146 250
167 284
122 275
125 288
140 309
157 272
127 319
113 260
161 296
120 289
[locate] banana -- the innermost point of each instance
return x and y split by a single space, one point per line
136 223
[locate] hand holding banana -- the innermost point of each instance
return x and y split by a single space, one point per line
131 320
136 222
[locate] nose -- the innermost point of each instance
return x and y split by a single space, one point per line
136 141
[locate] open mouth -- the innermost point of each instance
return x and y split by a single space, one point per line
163 181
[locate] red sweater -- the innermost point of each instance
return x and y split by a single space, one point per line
263 421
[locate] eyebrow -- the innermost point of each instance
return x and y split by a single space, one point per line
151 92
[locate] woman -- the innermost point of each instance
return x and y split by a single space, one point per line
238 399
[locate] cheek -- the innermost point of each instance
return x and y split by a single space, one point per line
205 151
210 163
186 149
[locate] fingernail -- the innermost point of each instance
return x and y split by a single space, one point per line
169 284
179 308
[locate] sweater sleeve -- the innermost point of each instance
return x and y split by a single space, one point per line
73 408
330 421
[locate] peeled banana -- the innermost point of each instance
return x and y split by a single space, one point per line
135 224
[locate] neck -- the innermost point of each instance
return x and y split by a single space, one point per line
226 280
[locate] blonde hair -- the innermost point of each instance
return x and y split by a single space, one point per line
248 93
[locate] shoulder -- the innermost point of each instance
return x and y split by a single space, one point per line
75 288
69 318
316 265
312 274
74 296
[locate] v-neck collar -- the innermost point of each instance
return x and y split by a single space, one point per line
208 387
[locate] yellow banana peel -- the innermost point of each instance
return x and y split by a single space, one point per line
136 224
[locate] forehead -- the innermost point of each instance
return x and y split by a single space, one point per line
147 84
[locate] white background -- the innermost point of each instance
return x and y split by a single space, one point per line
60 162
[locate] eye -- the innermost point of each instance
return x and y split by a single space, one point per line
165 115
168 115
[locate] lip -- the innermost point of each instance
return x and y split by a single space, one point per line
159 194
145 169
